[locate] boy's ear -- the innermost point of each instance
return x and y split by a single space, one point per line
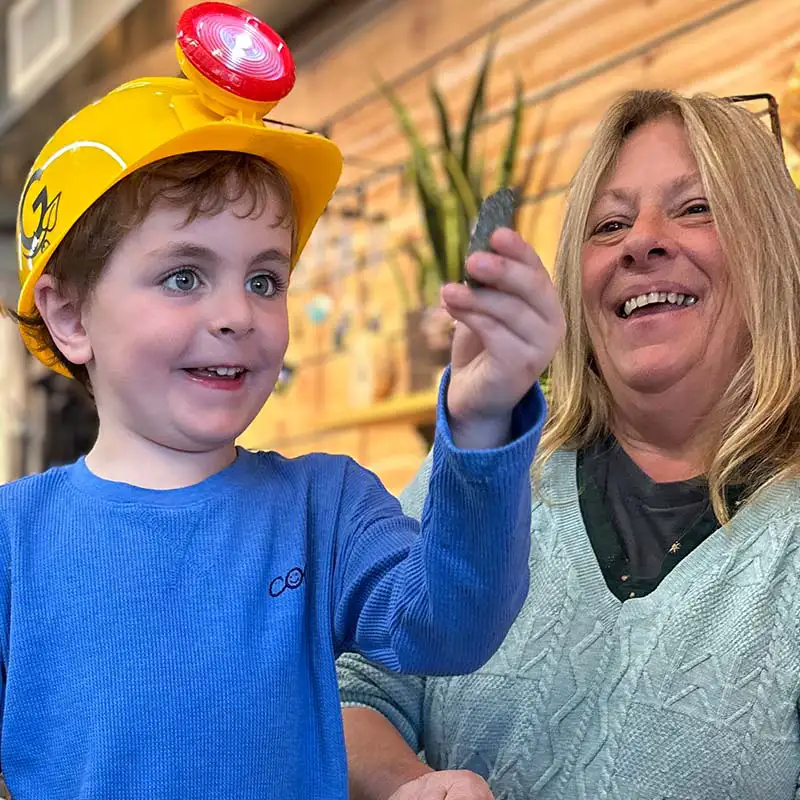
62 316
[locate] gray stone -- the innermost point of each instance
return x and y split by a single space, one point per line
496 211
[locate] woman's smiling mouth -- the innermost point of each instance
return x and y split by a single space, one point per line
655 301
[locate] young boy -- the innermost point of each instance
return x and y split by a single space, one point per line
173 605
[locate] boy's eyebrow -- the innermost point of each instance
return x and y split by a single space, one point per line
202 253
272 255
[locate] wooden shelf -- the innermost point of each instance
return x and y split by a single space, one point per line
411 409
418 409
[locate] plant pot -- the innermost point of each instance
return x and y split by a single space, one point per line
372 369
427 354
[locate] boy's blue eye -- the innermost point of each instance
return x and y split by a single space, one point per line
264 285
183 280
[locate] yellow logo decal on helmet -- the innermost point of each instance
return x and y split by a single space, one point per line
45 212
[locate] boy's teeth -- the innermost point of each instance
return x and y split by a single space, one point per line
224 372
642 300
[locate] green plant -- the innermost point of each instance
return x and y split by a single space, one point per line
449 180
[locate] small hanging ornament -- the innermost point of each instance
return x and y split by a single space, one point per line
284 378
318 308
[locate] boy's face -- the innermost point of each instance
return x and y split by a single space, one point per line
188 327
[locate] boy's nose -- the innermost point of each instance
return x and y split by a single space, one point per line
232 315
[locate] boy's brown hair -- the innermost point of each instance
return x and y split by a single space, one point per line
204 184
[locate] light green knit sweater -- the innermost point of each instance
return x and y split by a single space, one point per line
689 693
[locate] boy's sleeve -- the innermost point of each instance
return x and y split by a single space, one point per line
400 698
5 611
438 597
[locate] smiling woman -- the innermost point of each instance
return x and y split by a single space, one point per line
658 651
689 196
651 233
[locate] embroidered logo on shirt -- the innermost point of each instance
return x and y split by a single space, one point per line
292 580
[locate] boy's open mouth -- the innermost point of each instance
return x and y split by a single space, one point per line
655 301
224 373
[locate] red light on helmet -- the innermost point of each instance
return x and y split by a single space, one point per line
236 52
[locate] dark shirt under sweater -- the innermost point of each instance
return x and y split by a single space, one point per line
639 529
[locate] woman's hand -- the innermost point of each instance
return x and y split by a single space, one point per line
446 785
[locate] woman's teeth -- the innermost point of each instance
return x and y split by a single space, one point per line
654 298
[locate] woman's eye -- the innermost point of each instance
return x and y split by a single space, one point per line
183 280
612 226
698 208
263 285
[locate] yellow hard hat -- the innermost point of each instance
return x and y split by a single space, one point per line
237 69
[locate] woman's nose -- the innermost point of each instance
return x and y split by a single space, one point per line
648 242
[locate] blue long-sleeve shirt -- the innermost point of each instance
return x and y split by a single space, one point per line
181 644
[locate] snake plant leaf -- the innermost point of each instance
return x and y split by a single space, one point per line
508 162
421 160
432 212
452 222
475 108
462 186
444 118
458 183
428 189
477 177
466 212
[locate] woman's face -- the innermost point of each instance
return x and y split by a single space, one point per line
657 296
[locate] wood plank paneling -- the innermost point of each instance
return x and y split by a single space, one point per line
575 57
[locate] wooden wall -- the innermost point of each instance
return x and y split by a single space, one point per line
574 56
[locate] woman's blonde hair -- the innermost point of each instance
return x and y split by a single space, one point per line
756 209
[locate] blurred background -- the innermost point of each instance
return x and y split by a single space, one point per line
509 91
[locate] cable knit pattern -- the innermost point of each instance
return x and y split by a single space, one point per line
688 693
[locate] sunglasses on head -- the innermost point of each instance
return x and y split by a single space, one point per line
771 110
